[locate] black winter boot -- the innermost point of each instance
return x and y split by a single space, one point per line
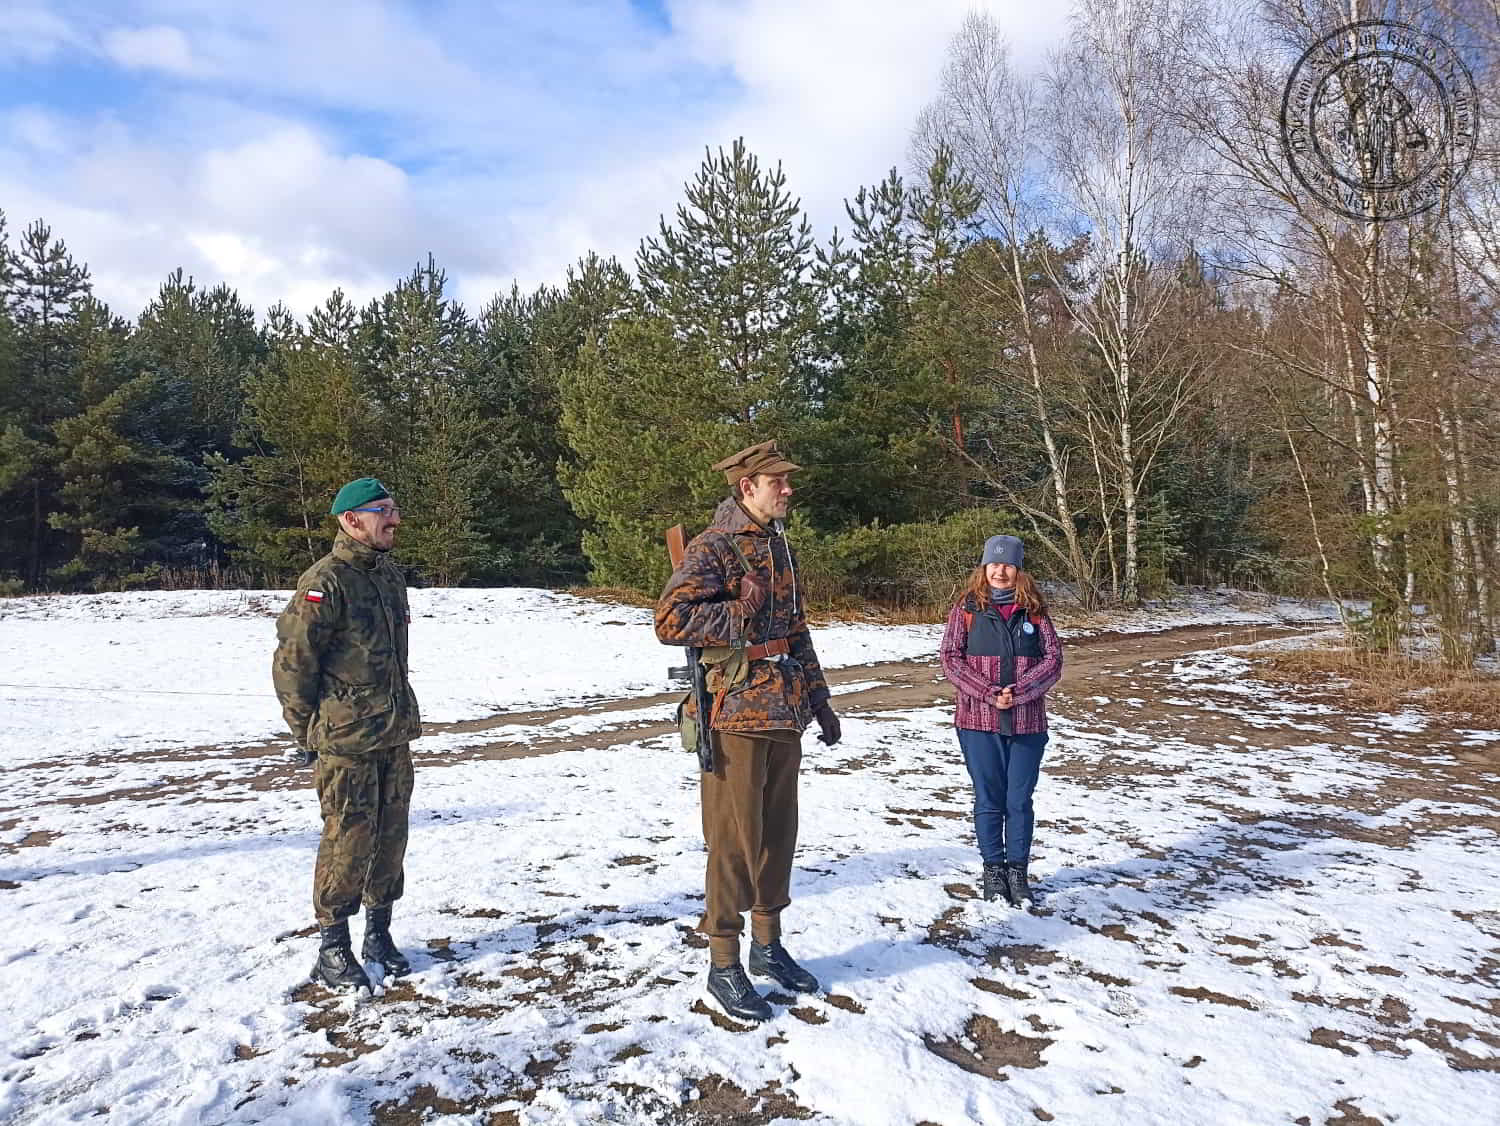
1017 888
736 996
378 946
772 961
996 884
336 968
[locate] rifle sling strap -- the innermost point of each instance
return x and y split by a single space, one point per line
777 647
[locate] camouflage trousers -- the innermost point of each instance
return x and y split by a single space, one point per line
365 799
750 828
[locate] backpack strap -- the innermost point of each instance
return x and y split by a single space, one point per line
968 610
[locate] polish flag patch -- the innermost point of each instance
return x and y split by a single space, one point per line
315 596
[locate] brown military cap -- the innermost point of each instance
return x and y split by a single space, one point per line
764 458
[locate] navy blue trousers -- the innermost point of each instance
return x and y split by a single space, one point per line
1004 770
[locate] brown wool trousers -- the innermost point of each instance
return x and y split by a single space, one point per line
750 827
366 800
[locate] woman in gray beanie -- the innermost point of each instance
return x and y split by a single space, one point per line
1001 654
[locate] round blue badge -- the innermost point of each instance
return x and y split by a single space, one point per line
1027 627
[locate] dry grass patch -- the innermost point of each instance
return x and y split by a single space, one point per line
1375 682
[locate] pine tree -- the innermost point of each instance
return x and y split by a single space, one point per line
15 455
520 344
715 359
121 487
414 349
881 405
644 412
42 291
731 276
947 337
310 428
202 344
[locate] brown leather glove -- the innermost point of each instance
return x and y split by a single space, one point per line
753 592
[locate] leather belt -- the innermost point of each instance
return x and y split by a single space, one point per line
780 647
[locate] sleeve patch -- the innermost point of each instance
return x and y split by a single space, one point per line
314 596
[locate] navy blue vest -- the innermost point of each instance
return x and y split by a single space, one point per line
990 635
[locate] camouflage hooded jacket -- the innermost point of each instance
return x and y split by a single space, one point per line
340 664
699 607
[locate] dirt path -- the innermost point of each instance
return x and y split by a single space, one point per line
1091 665
891 686
1109 681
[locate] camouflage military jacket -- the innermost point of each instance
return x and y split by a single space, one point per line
340 664
699 607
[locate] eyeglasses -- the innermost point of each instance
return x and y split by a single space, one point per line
390 510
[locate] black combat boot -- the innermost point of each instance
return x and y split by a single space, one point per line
997 884
336 968
1018 890
772 961
378 946
736 996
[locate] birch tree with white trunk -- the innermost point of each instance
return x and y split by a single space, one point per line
1121 163
989 117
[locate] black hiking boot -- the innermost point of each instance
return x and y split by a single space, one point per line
729 986
378 946
772 961
1018 890
336 968
996 885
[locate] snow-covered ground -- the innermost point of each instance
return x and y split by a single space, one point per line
1258 910
186 668
139 671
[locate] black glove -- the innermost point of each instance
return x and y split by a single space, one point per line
829 722
298 756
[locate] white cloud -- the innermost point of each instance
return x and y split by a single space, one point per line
152 48
37 129
32 32
336 144
833 89
281 215
232 255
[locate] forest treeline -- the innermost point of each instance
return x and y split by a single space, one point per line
1098 312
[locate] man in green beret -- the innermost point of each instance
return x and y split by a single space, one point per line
340 674
735 595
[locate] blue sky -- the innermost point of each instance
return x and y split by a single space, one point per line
290 147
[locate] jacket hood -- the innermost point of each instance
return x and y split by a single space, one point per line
731 516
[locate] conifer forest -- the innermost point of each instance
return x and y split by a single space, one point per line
1090 305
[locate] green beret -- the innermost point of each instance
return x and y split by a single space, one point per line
357 494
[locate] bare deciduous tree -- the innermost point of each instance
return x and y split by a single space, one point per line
1121 164
987 116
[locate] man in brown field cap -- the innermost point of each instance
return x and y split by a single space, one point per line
735 595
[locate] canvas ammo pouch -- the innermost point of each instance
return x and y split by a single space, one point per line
725 668
687 725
